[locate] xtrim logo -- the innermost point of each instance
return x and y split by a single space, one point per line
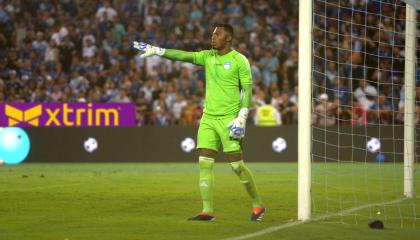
68 114
16 115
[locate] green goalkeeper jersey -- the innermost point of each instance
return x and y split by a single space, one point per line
225 77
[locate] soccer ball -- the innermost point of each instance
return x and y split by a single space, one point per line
279 145
373 145
91 145
188 144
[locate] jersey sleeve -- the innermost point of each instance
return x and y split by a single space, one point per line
179 55
245 76
200 57
245 79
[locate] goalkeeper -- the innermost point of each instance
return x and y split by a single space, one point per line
228 99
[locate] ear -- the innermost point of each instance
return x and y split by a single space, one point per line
229 38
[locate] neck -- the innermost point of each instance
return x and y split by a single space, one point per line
223 51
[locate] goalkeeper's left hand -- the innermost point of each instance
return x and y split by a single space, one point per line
237 125
148 49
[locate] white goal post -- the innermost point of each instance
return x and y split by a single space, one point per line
304 106
305 103
410 97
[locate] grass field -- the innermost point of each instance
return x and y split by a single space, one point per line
152 201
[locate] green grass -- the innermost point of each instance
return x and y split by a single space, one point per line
152 201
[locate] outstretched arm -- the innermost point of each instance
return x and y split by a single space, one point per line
172 54
179 55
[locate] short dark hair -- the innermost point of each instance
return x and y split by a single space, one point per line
228 28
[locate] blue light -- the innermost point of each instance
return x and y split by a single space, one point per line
14 145
380 158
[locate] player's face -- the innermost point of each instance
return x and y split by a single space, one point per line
219 39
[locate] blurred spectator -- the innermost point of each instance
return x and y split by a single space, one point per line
188 115
178 106
365 94
106 10
60 51
287 109
89 49
121 96
269 64
324 111
358 114
267 116
383 110
14 85
39 45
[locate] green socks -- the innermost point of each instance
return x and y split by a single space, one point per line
206 182
246 178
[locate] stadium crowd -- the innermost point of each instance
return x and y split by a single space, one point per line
359 54
78 51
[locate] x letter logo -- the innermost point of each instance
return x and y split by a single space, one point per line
17 116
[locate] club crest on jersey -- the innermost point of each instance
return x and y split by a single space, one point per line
227 65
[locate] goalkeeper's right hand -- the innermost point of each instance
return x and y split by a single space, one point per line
148 49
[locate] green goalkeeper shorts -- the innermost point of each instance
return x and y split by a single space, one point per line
214 131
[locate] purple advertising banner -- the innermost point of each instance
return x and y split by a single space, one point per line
84 115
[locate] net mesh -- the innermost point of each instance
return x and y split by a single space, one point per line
358 112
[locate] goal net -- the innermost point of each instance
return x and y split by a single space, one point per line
365 129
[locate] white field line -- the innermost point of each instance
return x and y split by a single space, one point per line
292 224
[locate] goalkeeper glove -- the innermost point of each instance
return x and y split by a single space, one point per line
237 125
148 49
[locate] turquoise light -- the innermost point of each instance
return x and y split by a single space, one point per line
14 145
